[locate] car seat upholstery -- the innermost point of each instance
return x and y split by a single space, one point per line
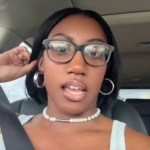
121 111
143 108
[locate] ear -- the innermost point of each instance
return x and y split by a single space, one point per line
41 64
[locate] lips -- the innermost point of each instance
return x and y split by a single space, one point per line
74 90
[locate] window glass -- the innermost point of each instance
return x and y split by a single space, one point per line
15 90
134 94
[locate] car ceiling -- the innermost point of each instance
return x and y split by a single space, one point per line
128 19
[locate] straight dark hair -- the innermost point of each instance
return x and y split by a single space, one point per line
113 70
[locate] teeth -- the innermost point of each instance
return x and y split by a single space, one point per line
75 88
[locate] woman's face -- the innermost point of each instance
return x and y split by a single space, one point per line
73 87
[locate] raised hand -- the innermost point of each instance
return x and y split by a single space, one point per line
14 63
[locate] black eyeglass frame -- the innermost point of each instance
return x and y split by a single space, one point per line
78 48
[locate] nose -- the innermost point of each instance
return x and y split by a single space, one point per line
77 65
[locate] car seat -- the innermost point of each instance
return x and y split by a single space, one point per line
143 108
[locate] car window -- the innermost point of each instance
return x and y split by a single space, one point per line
134 94
16 90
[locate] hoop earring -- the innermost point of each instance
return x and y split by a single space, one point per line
37 80
113 86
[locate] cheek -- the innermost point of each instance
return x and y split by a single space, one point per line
53 77
50 72
97 79
50 75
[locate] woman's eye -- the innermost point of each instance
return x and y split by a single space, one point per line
94 53
60 49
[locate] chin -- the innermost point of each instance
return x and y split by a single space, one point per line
73 110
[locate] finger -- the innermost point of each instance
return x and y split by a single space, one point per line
17 55
27 68
23 58
26 55
17 50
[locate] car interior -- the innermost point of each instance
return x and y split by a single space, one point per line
130 24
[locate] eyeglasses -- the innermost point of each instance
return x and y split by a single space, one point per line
94 54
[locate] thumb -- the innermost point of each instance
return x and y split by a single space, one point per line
27 68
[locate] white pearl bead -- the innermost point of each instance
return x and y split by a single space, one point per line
72 120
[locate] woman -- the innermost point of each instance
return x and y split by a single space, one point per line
78 62
14 63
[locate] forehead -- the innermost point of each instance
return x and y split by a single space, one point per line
80 27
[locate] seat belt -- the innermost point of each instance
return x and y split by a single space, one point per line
14 135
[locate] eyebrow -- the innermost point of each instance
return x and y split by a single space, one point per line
97 39
63 35
71 39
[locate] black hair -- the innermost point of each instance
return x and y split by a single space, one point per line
40 95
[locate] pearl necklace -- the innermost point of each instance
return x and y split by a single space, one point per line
72 120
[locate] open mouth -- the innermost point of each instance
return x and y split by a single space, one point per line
74 90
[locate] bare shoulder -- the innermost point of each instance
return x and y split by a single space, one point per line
136 140
105 123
